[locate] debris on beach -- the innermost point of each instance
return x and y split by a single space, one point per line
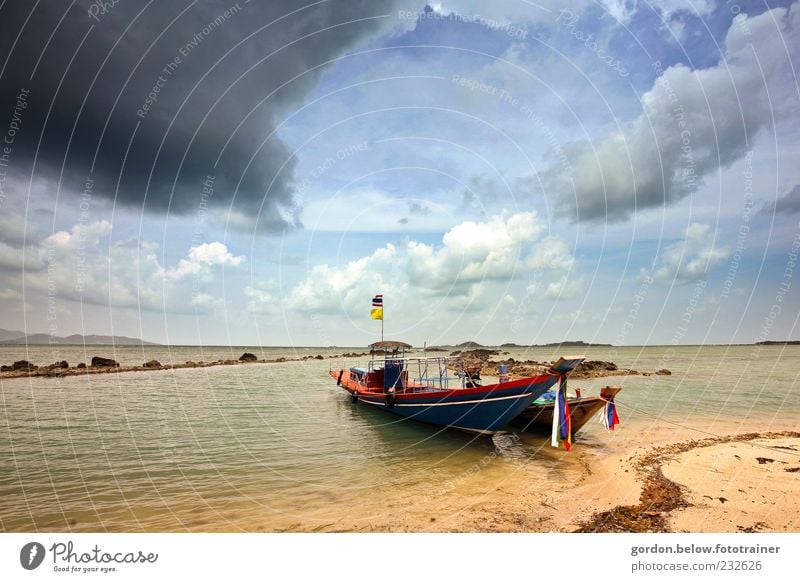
660 495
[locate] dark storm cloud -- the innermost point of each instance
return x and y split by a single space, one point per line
143 98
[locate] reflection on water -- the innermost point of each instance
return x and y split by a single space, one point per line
281 447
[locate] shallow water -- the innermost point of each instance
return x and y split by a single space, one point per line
281 447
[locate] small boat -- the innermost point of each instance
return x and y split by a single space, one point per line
441 391
539 415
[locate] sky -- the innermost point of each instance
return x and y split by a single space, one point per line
252 173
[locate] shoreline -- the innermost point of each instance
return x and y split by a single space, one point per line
621 493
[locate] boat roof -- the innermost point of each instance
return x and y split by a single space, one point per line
389 344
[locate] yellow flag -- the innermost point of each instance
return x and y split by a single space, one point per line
377 313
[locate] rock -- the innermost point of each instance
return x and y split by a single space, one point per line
23 365
318 357
248 357
98 362
664 372
6 369
190 364
63 364
281 359
480 354
152 364
596 365
81 365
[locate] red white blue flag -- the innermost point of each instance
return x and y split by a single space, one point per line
377 301
610 416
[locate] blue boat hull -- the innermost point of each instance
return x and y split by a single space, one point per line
482 413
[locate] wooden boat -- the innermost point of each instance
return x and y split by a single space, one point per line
424 389
539 415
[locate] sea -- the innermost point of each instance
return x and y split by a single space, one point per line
279 447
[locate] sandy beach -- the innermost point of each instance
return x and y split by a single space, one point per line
743 482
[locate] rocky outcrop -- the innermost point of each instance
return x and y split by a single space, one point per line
479 354
100 362
152 364
248 357
23 366
524 369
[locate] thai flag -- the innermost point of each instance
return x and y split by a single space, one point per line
377 301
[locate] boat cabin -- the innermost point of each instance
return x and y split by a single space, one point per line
389 370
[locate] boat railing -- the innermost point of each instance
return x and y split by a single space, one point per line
428 372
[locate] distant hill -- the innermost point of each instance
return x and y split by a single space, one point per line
578 344
567 344
9 337
469 345
7 334
779 343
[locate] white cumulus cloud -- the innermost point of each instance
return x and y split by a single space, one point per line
204 255
690 259
469 270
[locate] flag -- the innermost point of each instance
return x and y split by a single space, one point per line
562 422
610 416
377 307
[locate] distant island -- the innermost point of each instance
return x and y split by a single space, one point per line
565 344
779 343
12 337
